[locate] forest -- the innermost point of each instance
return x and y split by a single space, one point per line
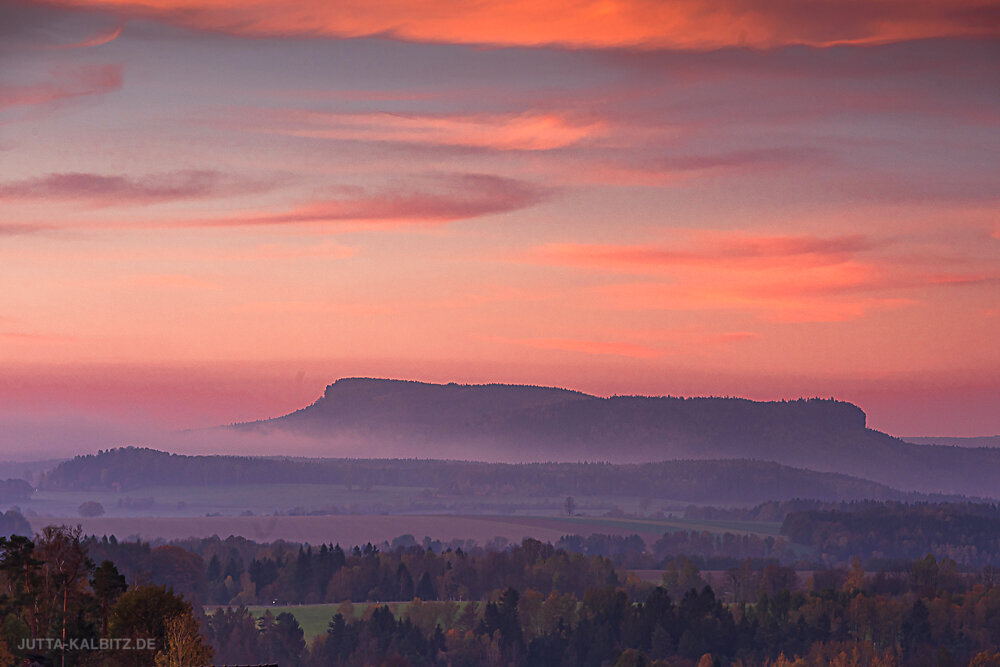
529 604
967 533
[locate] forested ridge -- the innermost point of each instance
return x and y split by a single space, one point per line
734 480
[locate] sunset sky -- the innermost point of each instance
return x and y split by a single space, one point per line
210 209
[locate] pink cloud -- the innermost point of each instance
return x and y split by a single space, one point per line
654 160
103 190
755 159
448 199
528 131
64 83
22 230
97 39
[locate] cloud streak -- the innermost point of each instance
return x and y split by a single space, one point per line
445 199
32 27
528 131
64 83
753 159
687 24
709 249
22 230
97 39
101 190
783 278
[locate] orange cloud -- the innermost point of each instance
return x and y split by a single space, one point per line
709 248
698 24
785 278
524 131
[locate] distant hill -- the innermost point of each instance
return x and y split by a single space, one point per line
975 441
26 470
721 481
525 423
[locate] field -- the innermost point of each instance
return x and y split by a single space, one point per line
231 499
267 499
318 513
359 529
314 618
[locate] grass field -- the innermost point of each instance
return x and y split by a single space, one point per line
314 618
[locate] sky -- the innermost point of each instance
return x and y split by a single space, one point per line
211 209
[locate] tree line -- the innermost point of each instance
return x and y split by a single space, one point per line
966 533
58 607
237 571
844 618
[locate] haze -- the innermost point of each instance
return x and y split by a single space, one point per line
208 215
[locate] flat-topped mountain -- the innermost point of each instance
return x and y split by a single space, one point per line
377 405
356 401
527 423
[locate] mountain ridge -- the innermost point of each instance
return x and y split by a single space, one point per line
505 422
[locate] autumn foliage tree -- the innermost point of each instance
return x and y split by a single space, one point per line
183 644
